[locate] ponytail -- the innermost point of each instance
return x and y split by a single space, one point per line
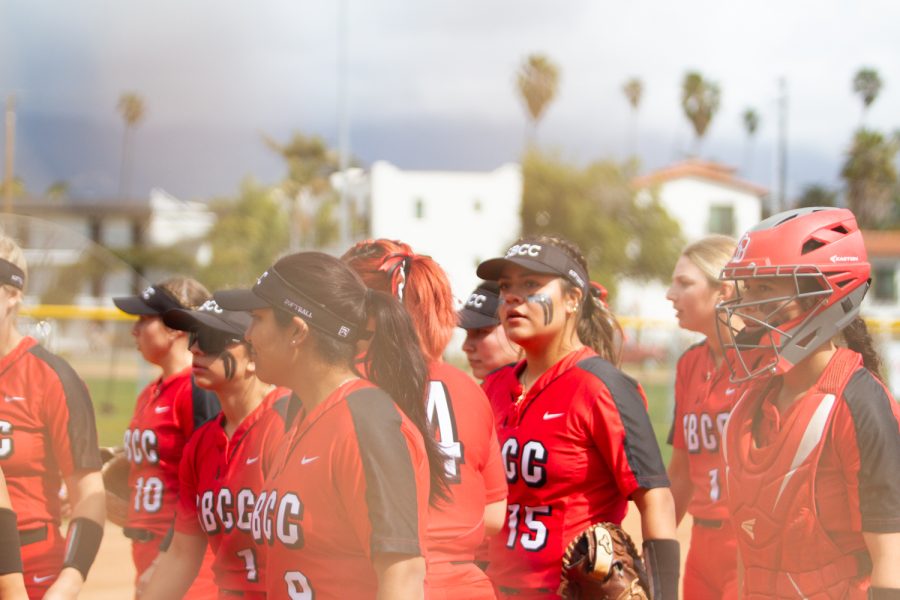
857 338
395 363
598 328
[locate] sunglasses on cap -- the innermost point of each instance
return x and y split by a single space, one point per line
211 341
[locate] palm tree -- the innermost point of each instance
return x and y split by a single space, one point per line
131 107
633 90
867 84
750 119
700 101
537 81
870 172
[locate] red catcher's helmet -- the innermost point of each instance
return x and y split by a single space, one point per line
821 251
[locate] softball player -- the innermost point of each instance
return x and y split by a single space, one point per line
224 461
812 448
47 436
486 346
576 438
703 399
459 414
12 584
167 413
343 511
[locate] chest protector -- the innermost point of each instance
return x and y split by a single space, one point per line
771 494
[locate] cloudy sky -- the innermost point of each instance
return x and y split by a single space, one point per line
431 84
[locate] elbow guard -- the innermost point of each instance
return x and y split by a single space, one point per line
82 543
662 559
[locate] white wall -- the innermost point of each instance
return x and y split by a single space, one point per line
466 217
688 200
173 220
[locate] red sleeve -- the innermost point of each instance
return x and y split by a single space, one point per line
495 487
69 416
186 509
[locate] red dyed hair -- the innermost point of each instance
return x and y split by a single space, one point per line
418 281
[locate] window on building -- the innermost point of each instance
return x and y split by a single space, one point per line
420 208
721 219
884 283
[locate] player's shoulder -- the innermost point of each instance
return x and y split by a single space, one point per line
597 370
870 404
695 352
501 377
282 405
52 366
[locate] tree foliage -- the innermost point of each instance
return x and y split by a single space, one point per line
699 101
597 208
250 233
634 91
537 82
816 195
750 119
870 173
132 109
867 84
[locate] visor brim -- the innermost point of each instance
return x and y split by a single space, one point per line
470 319
240 300
189 320
134 305
492 269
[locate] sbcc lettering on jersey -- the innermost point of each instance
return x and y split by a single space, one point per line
219 511
277 519
701 432
531 467
6 441
141 445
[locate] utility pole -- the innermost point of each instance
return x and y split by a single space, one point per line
343 124
782 144
10 153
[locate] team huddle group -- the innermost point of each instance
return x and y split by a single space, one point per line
305 439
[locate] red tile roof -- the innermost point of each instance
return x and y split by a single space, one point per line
699 169
882 243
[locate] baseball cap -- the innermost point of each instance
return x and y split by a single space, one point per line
274 291
480 309
209 315
538 257
152 301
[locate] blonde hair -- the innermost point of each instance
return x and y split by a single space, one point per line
190 293
11 251
710 254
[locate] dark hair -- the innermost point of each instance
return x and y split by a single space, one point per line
857 338
597 326
394 361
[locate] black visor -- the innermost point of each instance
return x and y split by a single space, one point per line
537 257
481 307
273 291
12 275
209 316
152 301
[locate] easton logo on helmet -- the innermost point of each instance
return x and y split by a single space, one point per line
837 259
524 250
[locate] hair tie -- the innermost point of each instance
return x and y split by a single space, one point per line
599 292
397 267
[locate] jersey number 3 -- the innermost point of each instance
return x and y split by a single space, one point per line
440 410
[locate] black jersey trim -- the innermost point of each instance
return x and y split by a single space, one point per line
282 405
81 426
205 404
641 447
878 442
390 478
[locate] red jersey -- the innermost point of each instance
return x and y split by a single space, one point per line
165 416
220 479
47 431
352 482
464 425
704 397
804 484
574 449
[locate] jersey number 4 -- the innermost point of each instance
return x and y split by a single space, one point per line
440 411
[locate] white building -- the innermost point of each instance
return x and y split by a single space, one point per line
458 218
705 198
